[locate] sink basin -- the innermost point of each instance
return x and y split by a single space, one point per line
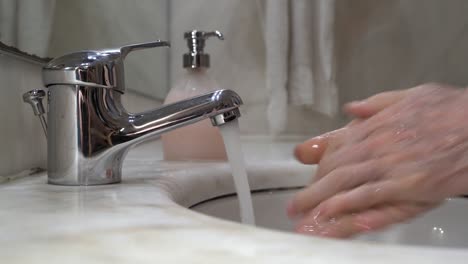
445 226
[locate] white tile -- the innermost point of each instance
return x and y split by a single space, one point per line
22 141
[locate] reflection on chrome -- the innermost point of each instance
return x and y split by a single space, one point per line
90 131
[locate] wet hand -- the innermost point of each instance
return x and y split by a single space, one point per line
405 154
312 150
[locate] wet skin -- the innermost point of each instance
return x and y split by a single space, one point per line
404 154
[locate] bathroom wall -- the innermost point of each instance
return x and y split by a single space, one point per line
23 145
238 63
22 142
386 45
379 46
90 24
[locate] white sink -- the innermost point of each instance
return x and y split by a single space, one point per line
445 226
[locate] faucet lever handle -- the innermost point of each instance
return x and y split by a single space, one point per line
93 68
125 50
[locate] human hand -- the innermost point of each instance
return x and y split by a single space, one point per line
403 157
312 150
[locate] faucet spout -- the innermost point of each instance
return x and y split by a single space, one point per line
90 131
220 106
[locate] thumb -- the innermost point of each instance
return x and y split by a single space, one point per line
312 150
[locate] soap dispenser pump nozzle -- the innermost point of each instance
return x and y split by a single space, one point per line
196 57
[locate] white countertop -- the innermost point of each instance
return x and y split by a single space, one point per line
144 219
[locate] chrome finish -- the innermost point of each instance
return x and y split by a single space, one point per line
97 68
90 132
196 57
34 98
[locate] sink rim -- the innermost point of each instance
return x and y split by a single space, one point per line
258 188
230 200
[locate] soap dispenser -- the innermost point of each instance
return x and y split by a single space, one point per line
199 141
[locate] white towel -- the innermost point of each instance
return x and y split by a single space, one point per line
300 67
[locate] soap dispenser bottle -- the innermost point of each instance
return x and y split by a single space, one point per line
201 140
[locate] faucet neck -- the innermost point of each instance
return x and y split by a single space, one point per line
90 132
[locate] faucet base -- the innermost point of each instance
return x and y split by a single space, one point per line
86 181
90 171
93 183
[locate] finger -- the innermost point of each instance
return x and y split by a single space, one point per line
377 219
339 180
372 105
366 221
336 227
354 122
346 155
364 150
312 150
359 199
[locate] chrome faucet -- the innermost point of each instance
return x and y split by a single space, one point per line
90 132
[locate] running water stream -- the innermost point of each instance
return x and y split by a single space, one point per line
231 136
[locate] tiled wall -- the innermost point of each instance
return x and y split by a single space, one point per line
114 23
22 142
